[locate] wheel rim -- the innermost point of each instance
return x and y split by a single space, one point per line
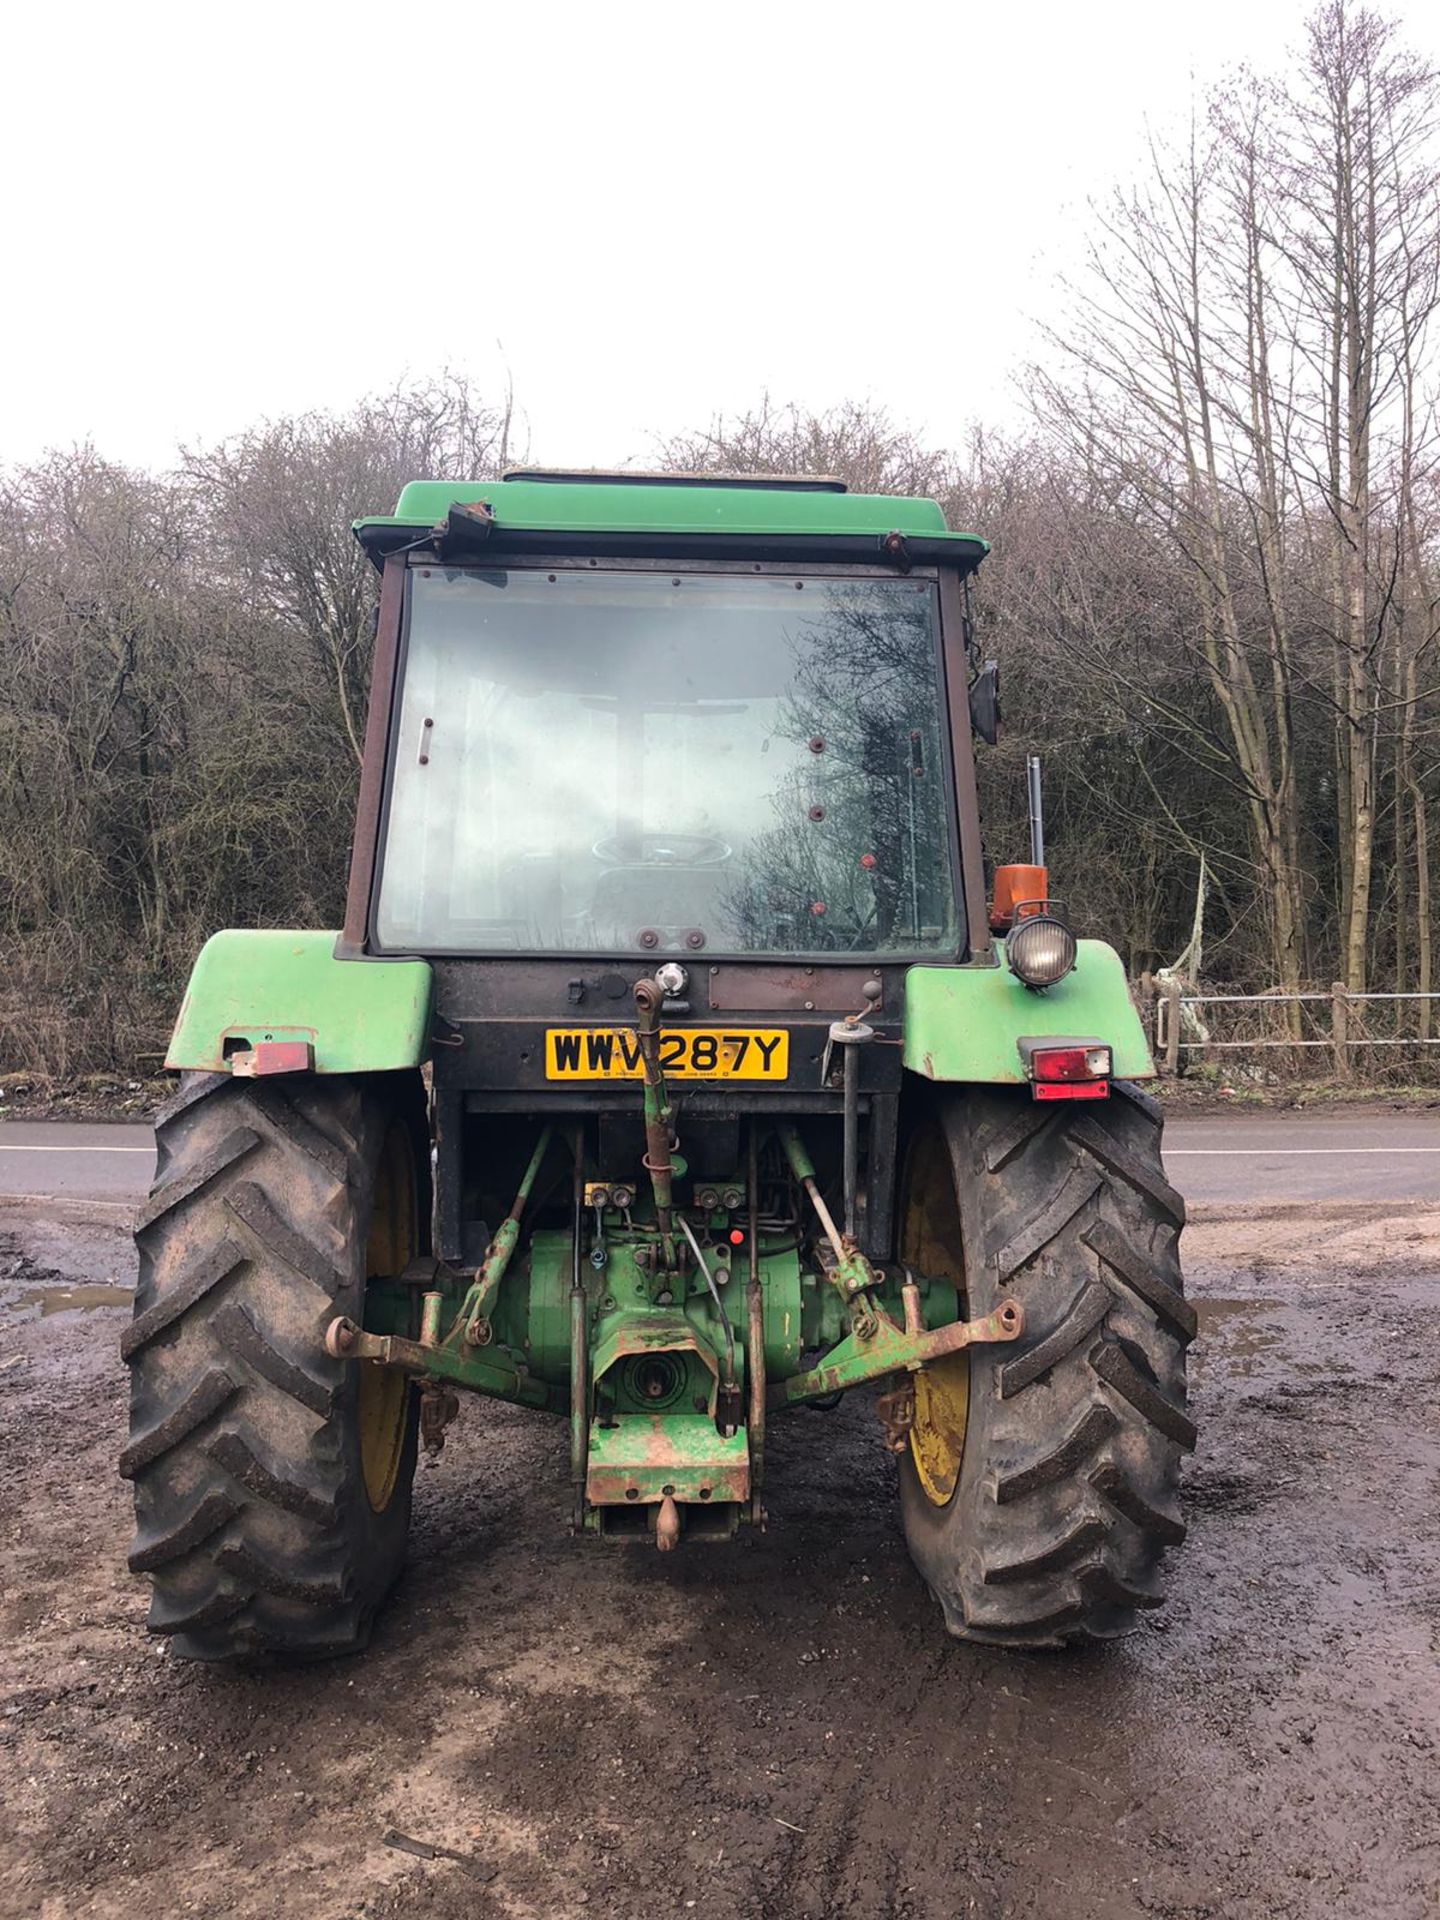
384 1393
930 1243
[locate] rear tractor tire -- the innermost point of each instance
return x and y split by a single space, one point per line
272 1483
1039 1489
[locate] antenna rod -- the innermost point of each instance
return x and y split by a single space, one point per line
1037 811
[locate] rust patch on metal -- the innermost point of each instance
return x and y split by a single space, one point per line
438 1407
896 1413
752 989
650 1458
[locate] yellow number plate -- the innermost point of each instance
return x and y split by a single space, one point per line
686 1053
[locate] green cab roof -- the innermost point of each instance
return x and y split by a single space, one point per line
694 512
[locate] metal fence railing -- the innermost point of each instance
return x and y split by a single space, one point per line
1336 1025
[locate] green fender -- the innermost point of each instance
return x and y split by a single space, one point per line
964 1023
360 1016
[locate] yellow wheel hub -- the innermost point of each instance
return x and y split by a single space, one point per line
937 1439
930 1242
385 1394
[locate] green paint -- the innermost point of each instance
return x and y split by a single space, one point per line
963 1023
360 1016
591 507
823 1321
857 1359
622 1339
644 1457
781 1306
498 1374
854 1273
531 1312
388 1308
801 1165
883 1348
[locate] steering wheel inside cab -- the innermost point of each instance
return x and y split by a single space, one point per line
662 850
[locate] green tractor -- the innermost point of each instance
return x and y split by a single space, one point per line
672 1071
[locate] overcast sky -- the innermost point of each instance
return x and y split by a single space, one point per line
645 213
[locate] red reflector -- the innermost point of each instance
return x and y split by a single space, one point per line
1071 1089
737 1238
274 1056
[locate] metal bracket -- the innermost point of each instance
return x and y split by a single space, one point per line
854 1279
850 1032
896 1413
889 1350
493 1370
438 1407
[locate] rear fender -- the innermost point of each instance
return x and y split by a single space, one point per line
966 1023
253 987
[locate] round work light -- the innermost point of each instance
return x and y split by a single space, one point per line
1040 950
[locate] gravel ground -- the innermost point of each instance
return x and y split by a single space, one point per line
778 1727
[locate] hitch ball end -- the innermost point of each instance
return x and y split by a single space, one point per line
667 1525
340 1338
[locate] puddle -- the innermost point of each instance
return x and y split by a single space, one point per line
77 1299
1236 1328
1213 1313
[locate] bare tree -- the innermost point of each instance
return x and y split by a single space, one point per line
279 500
1243 357
855 441
1355 156
1165 389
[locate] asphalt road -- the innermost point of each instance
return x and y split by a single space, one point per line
1298 1158
1240 1159
73 1160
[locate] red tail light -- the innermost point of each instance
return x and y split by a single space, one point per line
273 1056
1073 1070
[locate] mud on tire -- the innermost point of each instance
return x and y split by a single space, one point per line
253 1519
1066 1495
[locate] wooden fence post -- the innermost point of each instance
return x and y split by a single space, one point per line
1170 1000
1143 994
1340 1028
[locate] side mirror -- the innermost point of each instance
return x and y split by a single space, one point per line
985 702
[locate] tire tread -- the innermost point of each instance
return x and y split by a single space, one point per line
1067 1495
252 1522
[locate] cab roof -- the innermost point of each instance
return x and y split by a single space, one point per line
690 515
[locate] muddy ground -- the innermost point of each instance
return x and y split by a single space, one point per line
779 1727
